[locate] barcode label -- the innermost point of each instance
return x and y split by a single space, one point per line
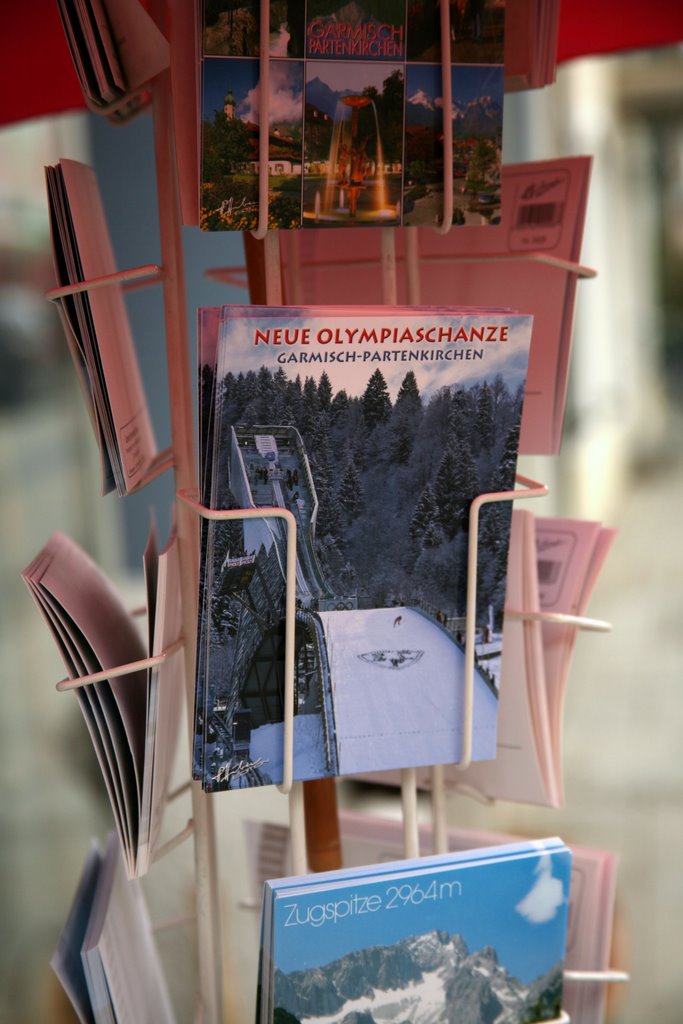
548 572
543 214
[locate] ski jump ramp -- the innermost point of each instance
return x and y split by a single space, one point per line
397 691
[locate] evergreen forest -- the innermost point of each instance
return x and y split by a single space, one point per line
394 480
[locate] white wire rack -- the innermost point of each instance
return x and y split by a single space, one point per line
181 458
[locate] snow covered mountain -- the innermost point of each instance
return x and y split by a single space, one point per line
423 979
481 116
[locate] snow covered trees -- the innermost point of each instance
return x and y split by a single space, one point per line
395 481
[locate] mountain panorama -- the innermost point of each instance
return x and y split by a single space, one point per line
423 979
479 116
478 113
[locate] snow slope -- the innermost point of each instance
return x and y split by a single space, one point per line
406 715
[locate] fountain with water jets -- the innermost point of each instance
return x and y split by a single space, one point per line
352 172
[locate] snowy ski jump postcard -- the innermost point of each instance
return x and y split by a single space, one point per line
472 938
356 109
376 428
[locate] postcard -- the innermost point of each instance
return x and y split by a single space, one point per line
375 429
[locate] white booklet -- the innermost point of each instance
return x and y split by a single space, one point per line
97 328
543 213
106 958
531 28
553 567
571 554
370 839
133 720
116 47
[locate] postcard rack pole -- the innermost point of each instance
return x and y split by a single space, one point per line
322 825
319 798
388 260
447 123
439 830
411 837
412 266
209 946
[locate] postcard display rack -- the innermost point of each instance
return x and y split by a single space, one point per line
265 280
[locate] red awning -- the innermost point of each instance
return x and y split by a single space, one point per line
37 76
605 26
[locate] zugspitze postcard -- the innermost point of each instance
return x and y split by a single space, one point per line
463 938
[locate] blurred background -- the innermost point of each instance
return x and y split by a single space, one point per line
621 463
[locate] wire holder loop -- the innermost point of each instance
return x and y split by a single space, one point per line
189 498
120 670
